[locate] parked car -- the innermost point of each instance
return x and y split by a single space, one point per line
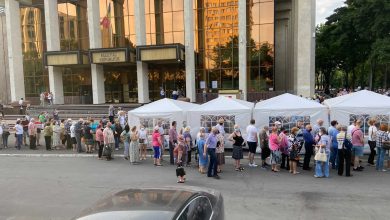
184 203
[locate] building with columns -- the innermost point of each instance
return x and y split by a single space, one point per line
104 51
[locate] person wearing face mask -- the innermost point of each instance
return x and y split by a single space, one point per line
238 143
322 168
143 141
308 144
220 126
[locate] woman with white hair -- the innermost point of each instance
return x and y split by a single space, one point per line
200 141
56 135
238 143
157 143
73 135
188 139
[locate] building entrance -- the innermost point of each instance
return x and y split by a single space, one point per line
169 77
120 84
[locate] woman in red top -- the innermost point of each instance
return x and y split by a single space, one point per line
157 144
274 142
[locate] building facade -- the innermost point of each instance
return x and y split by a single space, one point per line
102 51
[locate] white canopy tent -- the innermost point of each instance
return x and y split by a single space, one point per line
359 105
288 109
234 111
167 110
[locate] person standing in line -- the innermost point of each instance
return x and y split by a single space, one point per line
274 145
125 137
32 131
117 129
209 147
48 133
109 141
73 135
100 141
220 152
56 135
264 145
134 147
351 127
179 153
316 127
78 133
344 152
381 137
50 98
6 133
332 132
19 134
122 118
322 168
111 113
293 150
162 92
284 149
238 142
200 142
24 124
143 141
68 138
251 140
162 133
220 126
157 143
88 136
188 139
309 144
358 144
372 141
172 142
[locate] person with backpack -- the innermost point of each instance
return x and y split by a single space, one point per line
284 149
382 137
344 151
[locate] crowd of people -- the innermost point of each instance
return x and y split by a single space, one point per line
337 147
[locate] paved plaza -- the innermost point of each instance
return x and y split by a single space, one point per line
59 188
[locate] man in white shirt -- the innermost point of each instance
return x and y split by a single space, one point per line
19 134
350 128
251 140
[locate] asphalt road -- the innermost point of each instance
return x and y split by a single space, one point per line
59 188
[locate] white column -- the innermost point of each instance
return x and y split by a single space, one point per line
305 47
95 41
15 56
189 50
142 68
242 80
53 44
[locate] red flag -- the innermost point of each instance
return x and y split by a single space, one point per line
106 20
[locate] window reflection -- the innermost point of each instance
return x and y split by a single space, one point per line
117 23
73 25
260 44
164 20
33 46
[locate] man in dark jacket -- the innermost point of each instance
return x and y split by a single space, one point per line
309 142
78 133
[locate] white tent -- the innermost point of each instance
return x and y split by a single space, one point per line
363 104
166 109
288 109
234 111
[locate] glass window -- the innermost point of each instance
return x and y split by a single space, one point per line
33 46
164 20
199 209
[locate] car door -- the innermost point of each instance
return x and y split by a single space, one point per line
198 208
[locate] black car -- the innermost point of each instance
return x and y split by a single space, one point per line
184 203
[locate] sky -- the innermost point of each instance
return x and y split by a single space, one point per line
326 8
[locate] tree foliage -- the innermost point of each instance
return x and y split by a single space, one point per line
355 40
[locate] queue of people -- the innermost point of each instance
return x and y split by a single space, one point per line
338 147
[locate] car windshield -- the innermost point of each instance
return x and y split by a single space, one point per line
122 215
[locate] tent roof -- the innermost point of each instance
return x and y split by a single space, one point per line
164 105
224 104
288 101
361 99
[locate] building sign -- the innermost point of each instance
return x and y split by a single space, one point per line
161 53
109 56
60 58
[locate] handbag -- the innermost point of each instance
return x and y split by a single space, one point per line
321 155
386 145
